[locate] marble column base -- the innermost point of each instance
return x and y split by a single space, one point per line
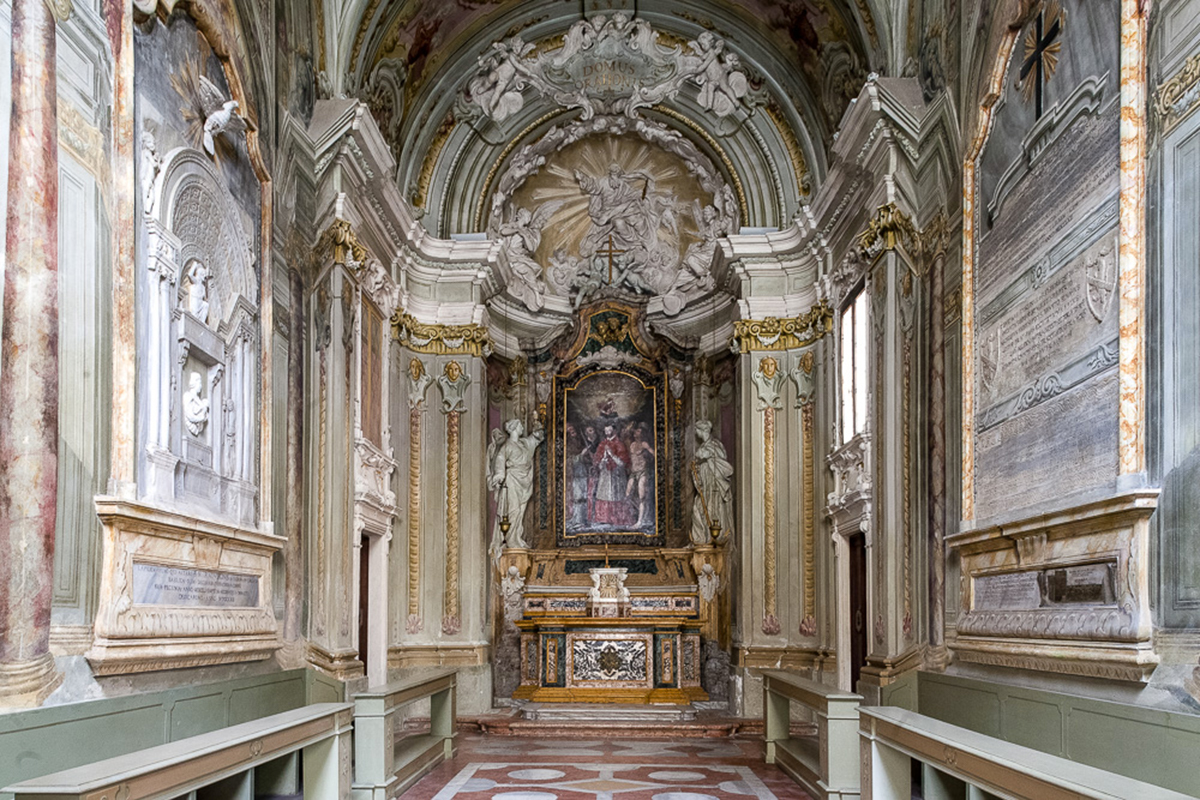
26 684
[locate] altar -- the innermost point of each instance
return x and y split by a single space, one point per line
574 648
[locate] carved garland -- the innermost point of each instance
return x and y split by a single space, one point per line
906 527
775 334
416 408
808 625
451 623
889 228
770 623
441 340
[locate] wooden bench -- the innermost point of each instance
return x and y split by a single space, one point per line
385 766
224 764
828 766
960 764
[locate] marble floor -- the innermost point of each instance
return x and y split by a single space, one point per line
529 768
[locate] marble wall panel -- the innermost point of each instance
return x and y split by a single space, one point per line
1046 279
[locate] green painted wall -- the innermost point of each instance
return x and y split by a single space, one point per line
1146 744
45 740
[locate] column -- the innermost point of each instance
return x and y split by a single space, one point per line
29 365
293 552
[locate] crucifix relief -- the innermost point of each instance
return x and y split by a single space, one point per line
1042 46
611 251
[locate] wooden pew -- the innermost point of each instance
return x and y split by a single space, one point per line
222 764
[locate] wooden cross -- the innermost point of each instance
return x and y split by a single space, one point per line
610 252
1040 55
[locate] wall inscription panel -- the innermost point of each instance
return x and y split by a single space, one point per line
154 584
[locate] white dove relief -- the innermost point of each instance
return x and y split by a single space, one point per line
221 115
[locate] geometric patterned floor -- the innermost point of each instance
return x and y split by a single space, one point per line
527 768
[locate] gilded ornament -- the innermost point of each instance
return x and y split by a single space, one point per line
888 230
774 334
441 340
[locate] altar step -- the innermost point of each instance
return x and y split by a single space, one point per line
593 712
589 720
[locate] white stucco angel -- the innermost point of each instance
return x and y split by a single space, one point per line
712 475
722 83
496 89
511 478
519 239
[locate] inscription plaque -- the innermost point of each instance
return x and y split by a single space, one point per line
1088 584
157 585
1084 584
1012 591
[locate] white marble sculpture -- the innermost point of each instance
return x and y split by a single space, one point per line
512 480
195 406
197 290
149 168
713 479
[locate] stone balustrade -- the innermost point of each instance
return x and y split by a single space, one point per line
827 766
384 766
234 763
960 764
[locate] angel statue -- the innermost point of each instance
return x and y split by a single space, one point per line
221 115
519 239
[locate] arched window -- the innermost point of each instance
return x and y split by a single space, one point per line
854 374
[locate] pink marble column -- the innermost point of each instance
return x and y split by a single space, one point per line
293 552
29 365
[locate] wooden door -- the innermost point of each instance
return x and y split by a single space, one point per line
859 616
364 597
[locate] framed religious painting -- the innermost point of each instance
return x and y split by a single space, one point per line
610 456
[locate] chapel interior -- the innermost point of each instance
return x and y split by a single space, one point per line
383 381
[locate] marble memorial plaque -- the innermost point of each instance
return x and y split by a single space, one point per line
1086 584
1012 591
154 584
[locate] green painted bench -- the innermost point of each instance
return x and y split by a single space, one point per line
385 765
828 766
961 764
225 764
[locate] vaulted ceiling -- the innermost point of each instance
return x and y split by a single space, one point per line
411 61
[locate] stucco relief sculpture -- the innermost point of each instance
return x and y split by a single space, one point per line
511 479
221 114
708 581
519 239
630 209
768 380
613 65
453 383
712 474
195 406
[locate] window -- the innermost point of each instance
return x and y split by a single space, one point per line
854 372
372 377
